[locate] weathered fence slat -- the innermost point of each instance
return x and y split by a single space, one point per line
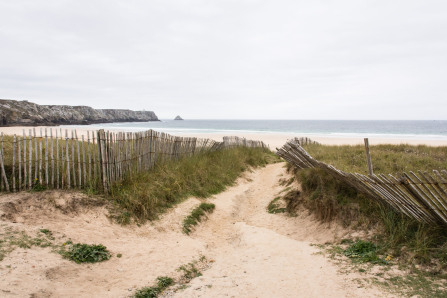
106 157
422 196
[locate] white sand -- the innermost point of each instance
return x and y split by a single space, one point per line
274 140
254 253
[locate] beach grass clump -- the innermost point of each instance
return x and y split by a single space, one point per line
386 159
144 195
274 206
196 216
363 251
163 282
332 200
85 253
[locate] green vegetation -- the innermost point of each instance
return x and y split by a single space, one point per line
190 271
410 282
10 239
196 216
396 235
163 282
416 284
144 195
363 251
386 159
274 207
85 253
37 186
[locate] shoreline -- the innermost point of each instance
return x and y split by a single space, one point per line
274 140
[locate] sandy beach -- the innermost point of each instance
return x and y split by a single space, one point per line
274 140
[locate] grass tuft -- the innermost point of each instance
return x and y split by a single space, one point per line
85 253
163 282
274 207
196 216
363 251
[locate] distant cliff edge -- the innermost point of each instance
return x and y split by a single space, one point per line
17 113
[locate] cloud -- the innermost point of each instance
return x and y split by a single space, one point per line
230 59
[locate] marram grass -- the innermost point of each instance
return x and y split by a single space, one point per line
386 159
329 199
145 195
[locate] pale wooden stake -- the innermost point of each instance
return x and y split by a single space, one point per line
20 164
52 158
5 180
73 166
46 158
14 163
24 160
30 182
89 156
100 141
67 160
57 162
36 153
368 157
40 162
83 161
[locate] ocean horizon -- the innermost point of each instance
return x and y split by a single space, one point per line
402 129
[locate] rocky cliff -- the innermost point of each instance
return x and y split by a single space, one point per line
14 113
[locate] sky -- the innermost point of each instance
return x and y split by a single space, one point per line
232 59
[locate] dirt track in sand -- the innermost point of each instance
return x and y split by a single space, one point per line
254 253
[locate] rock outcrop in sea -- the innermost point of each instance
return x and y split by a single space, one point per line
18 113
178 118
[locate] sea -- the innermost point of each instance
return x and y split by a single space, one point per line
402 129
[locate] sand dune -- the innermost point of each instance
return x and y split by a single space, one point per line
252 253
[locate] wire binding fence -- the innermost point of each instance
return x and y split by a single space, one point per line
422 196
58 159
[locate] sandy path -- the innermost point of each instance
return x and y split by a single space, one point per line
256 254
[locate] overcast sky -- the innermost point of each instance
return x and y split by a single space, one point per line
236 59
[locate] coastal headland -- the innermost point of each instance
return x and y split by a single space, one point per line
25 113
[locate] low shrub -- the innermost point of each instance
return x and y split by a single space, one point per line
85 253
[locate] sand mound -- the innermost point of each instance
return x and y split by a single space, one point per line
31 207
254 253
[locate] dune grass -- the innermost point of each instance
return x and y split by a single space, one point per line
196 216
386 159
330 199
145 195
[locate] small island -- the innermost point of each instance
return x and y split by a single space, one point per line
178 118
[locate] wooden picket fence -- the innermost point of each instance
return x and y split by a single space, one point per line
54 160
422 196
229 142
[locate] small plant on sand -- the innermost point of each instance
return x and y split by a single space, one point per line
274 207
363 251
163 282
85 253
196 216
37 186
10 239
190 271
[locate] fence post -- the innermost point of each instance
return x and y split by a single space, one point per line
368 157
101 155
